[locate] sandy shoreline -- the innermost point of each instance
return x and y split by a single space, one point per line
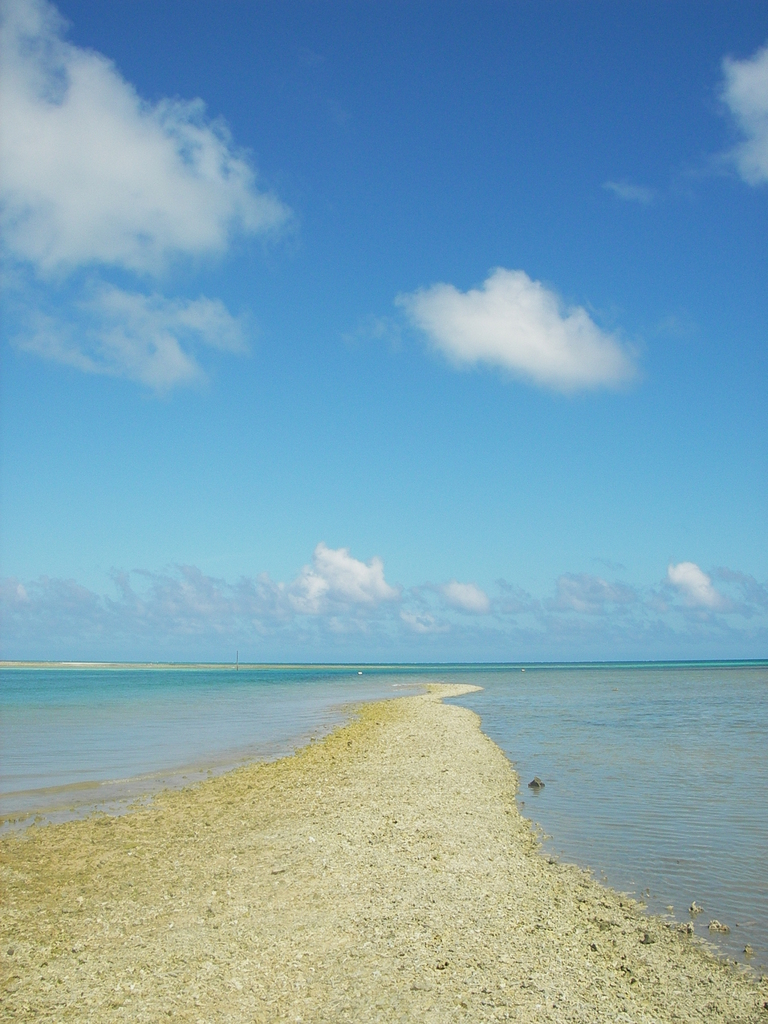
381 874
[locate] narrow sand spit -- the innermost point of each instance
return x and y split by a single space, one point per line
383 874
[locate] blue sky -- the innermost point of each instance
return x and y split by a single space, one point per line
384 331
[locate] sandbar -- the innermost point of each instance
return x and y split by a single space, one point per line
382 874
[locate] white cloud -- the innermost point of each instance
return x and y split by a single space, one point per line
95 177
589 595
519 325
695 586
465 597
94 174
745 92
145 338
631 193
336 577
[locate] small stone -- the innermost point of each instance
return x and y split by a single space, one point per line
647 939
11 951
686 928
536 783
717 926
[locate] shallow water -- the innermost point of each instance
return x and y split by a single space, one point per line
75 738
655 776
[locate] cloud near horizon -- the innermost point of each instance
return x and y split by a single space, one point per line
95 178
590 595
745 93
335 577
516 324
184 602
695 586
466 597
338 606
423 622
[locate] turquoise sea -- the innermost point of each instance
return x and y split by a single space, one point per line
656 776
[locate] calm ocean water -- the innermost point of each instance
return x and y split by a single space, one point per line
656 776
75 737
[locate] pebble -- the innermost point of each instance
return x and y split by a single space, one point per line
717 926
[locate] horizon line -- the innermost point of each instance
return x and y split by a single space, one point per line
235 666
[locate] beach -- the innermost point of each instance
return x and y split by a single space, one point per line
383 873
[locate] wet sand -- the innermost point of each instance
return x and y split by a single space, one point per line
382 874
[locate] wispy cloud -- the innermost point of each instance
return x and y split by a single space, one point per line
144 338
748 595
519 325
631 193
745 93
96 178
590 595
375 329
515 601
423 622
676 325
465 597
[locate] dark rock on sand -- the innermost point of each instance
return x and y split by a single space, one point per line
536 783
